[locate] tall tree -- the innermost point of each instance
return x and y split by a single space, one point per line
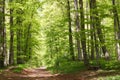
92 29
3 50
70 32
11 53
83 33
94 40
116 28
77 29
96 24
100 33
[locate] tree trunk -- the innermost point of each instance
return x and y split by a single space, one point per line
100 35
83 34
77 29
116 28
99 31
70 32
94 38
88 27
3 51
92 26
11 54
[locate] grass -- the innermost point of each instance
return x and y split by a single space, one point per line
17 69
106 65
67 67
20 67
75 66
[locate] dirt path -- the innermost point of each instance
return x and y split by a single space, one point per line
42 74
36 74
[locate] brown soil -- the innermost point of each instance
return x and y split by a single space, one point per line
42 74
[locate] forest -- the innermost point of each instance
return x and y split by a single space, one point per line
59 39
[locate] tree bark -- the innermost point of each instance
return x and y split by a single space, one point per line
116 28
11 53
3 51
92 26
99 31
100 35
94 38
77 29
83 34
70 32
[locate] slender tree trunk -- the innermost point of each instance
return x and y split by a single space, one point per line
3 50
83 34
100 34
116 28
1 35
4 42
11 54
96 44
70 33
99 29
94 38
92 26
77 29
88 27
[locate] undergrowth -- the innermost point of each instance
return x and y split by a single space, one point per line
67 67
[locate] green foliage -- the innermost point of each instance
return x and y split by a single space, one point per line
18 69
106 65
35 61
112 65
47 42
67 67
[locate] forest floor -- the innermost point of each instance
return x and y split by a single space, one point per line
43 74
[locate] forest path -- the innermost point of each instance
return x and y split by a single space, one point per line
42 74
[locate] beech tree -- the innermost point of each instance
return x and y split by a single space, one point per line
3 51
77 22
83 34
64 30
70 32
11 56
116 28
